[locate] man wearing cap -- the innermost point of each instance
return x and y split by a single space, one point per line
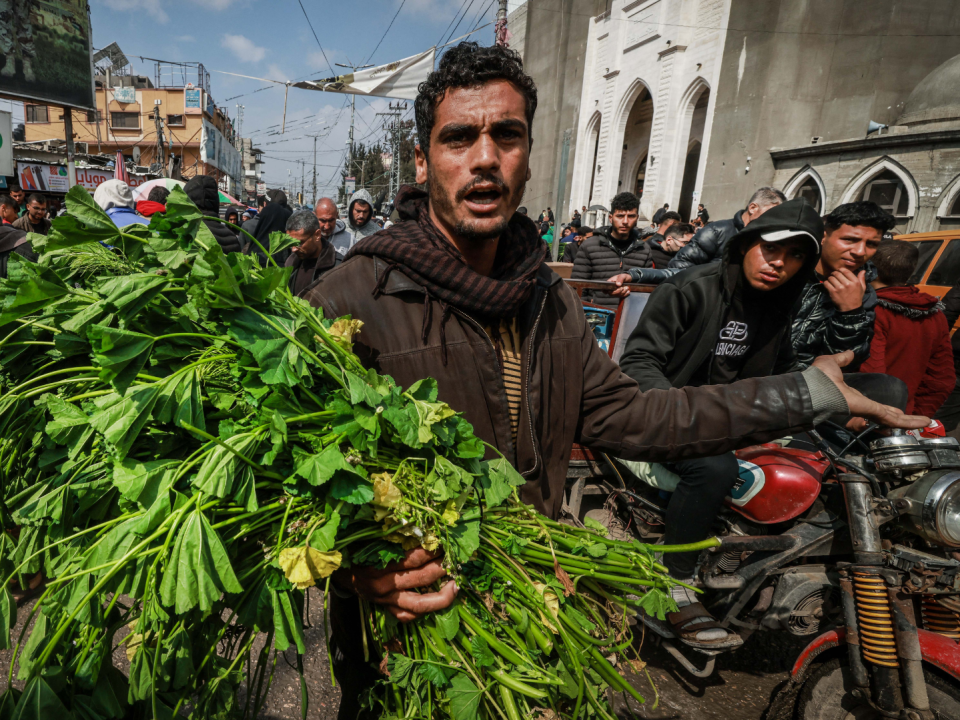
714 325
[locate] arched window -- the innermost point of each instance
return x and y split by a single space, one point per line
888 191
641 174
955 208
810 192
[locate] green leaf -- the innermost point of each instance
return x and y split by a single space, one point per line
129 294
657 603
180 400
121 418
481 652
401 670
464 697
319 468
499 481
287 622
324 537
83 222
177 659
40 288
437 676
596 525
466 539
279 359
199 570
142 482
222 472
40 702
424 390
8 617
69 422
448 622
352 489
596 550
121 354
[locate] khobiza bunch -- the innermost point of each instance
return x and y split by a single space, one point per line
185 447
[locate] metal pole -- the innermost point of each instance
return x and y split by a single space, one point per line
353 110
68 131
500 29
314 172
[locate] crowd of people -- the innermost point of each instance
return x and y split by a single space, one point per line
734 346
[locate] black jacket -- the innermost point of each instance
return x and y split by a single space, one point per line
661 258
205 194
705 247
14 240
600 258
679 327
302 278
820 329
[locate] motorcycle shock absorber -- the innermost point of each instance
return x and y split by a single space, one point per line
938 619
877 640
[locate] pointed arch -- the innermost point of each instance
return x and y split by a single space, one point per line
884 164
800 179
626 103
949 198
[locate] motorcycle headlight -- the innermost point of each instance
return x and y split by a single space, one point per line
941 509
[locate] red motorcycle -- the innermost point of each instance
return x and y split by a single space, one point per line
854 543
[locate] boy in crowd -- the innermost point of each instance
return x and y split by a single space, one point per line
664 246
911 338
716 324
571 249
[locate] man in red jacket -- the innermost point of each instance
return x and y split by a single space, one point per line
911 338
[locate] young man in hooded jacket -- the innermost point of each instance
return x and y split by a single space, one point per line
205 193
459 290
714 325
360 223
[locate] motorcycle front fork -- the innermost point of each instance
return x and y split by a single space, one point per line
882 644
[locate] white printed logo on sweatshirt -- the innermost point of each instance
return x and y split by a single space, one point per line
732 338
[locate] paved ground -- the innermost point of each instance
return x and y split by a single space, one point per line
740 688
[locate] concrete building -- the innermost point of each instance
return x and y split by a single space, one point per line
688 101
196 133
252 171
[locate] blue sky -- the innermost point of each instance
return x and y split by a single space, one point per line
271 39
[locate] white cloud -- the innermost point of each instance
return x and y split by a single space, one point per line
316 61
150 7
275 73
243 48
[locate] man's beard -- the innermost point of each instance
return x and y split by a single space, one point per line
468 230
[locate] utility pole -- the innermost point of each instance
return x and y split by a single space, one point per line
315 136
158 124
500 29
239 126
353 112
302 190
394 128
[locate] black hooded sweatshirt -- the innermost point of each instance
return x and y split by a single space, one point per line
707 326
205 194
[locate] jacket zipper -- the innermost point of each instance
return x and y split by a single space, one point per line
526 390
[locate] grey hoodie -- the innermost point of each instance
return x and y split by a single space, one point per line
342 239
359 233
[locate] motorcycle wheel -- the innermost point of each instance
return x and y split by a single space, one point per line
827 694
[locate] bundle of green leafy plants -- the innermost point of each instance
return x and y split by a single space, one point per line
185 448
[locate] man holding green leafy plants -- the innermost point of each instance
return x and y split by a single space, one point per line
459 290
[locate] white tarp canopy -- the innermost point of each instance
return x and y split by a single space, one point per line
398 79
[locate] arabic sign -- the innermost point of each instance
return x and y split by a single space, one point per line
125 94
217 151
45 47
35 177
192 99
6 144
351 186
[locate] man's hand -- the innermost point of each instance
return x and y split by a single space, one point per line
846 289
621 281
394 585
860 405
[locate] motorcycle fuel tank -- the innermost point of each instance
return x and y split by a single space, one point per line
776 483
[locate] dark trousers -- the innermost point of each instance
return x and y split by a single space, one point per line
949 412
353 674
694 506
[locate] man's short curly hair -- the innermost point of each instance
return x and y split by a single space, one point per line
468 65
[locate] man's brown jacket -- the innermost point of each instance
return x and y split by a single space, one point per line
572 391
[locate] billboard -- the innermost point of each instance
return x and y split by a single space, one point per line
37 177
192 100
217 151
45 50
6 143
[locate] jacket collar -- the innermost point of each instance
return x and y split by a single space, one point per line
604 237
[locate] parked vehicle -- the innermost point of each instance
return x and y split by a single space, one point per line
855 546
